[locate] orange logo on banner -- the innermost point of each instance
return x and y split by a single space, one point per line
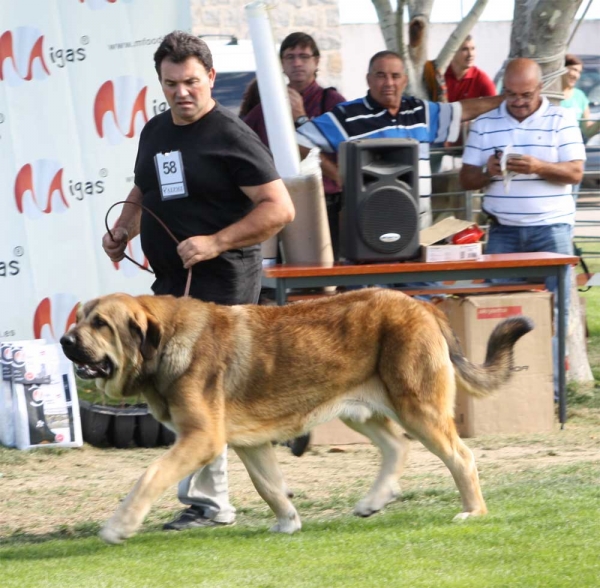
60 309
498 312
46 175
106 102
23 37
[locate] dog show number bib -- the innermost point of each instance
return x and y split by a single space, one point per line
169 167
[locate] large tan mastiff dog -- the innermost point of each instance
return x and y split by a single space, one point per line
248 375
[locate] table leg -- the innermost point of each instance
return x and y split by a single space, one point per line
280 292
561 334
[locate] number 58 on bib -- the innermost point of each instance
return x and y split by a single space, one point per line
169 168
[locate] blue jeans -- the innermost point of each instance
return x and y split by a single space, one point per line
551 238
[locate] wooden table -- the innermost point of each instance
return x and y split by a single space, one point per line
511 265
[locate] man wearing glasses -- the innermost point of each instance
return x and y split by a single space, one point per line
525 156
299 56
544 157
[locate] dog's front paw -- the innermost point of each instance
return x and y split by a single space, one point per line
371 504
113 534
290 524
463 516
365 509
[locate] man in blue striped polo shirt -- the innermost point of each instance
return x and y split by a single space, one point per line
535 210
383 113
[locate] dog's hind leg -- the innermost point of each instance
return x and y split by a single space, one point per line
394 447
437 432
265 473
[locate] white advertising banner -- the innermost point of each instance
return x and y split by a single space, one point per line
77 84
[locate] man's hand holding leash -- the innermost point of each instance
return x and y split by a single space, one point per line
115 244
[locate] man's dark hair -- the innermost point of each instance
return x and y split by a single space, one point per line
381 55
571 59
179 46
299 40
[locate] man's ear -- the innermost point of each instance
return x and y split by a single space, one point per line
150 338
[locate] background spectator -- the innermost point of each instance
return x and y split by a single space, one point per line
535 212
465 80
576 98
299 56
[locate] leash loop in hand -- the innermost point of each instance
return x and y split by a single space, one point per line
162 224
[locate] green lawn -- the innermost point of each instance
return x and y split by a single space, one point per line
543 531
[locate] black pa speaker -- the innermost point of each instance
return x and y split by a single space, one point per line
380 215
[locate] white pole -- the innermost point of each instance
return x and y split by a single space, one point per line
273 92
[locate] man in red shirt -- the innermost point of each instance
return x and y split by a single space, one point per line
463 78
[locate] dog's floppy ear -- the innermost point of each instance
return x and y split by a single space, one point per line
150 338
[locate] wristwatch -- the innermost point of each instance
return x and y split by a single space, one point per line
301 120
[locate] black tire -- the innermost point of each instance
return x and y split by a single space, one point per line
166 436
121 430
147 431
94 424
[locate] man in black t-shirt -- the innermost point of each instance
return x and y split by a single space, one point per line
209 178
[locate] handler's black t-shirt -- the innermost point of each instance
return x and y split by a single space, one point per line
220 154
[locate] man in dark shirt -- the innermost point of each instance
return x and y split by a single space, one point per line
214 184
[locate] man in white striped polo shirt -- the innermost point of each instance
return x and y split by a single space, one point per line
385 113
549 160
534 212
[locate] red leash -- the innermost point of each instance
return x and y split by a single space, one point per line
163 225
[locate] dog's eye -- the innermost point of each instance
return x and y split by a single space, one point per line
99 322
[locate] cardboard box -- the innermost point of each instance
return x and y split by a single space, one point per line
526 403
451 252
433 247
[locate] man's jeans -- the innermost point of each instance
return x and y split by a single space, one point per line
551 238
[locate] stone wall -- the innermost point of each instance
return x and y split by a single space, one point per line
318 18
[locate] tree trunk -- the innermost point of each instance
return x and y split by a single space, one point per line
414 53
387 23
540 31
579 365
455 40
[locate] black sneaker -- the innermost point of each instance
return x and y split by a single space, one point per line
300 444
193 518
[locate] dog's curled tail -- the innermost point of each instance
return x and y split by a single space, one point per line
482 380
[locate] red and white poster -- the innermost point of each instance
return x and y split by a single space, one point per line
77 84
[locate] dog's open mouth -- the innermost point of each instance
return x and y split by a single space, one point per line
90 371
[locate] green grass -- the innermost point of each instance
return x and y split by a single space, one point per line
542 531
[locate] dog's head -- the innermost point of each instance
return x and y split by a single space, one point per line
112 340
